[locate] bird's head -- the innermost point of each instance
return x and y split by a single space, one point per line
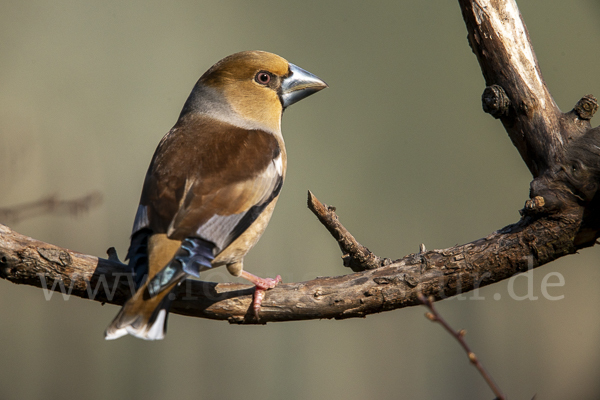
251 89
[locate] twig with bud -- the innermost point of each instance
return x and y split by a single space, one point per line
434 316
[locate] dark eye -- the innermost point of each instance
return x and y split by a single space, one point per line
262 77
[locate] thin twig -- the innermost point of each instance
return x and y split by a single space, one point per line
434 316
50 205
356 256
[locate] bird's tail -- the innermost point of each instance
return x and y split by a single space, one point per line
144 316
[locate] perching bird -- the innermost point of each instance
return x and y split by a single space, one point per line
212 184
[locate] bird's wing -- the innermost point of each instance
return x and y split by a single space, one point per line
224 213
209 182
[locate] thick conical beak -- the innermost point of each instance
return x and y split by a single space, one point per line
298 85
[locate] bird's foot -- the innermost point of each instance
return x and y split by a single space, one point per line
262 285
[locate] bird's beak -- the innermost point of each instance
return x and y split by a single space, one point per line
298 85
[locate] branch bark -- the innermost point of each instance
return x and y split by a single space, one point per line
561 150
437 273
516 92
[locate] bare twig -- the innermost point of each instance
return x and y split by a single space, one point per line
50 205
435 316
355 256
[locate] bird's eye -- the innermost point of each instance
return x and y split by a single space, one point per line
262 77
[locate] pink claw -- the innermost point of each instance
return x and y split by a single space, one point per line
262 285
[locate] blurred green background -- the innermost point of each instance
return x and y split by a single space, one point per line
398 144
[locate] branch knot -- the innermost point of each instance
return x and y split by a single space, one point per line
495 101
586 107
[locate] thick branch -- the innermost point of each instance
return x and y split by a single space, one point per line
516 91
559 148
437 273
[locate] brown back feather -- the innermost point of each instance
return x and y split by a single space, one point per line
202 167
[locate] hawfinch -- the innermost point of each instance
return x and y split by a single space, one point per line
212 184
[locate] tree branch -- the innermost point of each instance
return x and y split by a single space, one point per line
51 205
437 273
435 316
516 92
562 152
355 256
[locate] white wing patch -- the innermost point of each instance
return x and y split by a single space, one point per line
219 228
278 162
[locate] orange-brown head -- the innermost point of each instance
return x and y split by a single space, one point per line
251 89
